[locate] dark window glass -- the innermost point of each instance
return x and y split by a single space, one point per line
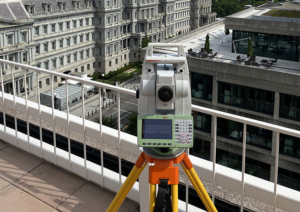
245 97
289 107
201 149
289 179
259 137
289 145
252 167
268 45
202 122
230 129
202 86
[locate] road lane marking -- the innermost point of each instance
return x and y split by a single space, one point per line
131 103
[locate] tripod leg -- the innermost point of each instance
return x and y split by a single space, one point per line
174 190
192 175
152 197
131 179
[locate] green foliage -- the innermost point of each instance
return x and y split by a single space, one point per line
224 8
207 44
249 50
132 124
227 32
108 121
119 71
145 42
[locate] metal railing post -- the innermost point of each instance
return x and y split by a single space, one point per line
119 137
68 120
39 106
14 98
83 123
3 101
53 118
214 156
243 166
26 104
276 171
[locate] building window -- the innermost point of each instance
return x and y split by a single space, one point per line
134 55
87 36
38 65
75 56
82 68
109 63
62 6
245 97
23 36
60 43
107 3
115 33
68 25
76 4
289 145
48 8
88 67
55 78
46 65
252 167
288 179
99 65
53 27
68 41
37 49
201 149
108 50
116 61
60 26
230 129
9 39
289 107
76 70
24 57
115 19
75 40
68 58
81 38
115 48
80 22
124 56
202 86
81 55
40 84
48 81
53 63
45 29
87 21
45 47
115 2
61 61
108 20
74 24
36 30
30 10
202 121
87 53
53 45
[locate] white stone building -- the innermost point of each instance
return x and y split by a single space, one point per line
87 35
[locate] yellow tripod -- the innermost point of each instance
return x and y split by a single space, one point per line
163 169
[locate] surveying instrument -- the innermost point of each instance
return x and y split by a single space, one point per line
165 129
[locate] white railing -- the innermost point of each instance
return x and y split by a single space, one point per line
244 184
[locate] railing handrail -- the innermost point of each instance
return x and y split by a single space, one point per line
212 112
85 81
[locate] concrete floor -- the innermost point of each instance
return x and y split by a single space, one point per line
29 183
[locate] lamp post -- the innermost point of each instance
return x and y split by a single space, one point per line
115 76
103 78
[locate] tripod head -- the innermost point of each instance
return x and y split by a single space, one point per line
165 125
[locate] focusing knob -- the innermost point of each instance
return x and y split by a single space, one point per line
165 94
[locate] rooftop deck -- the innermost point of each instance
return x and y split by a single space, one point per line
29 183
222 43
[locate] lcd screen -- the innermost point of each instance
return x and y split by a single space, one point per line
157 129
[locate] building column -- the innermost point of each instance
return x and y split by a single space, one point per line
276 105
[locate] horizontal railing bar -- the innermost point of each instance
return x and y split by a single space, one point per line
247 121
89 82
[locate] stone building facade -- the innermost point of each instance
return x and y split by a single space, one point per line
86 35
